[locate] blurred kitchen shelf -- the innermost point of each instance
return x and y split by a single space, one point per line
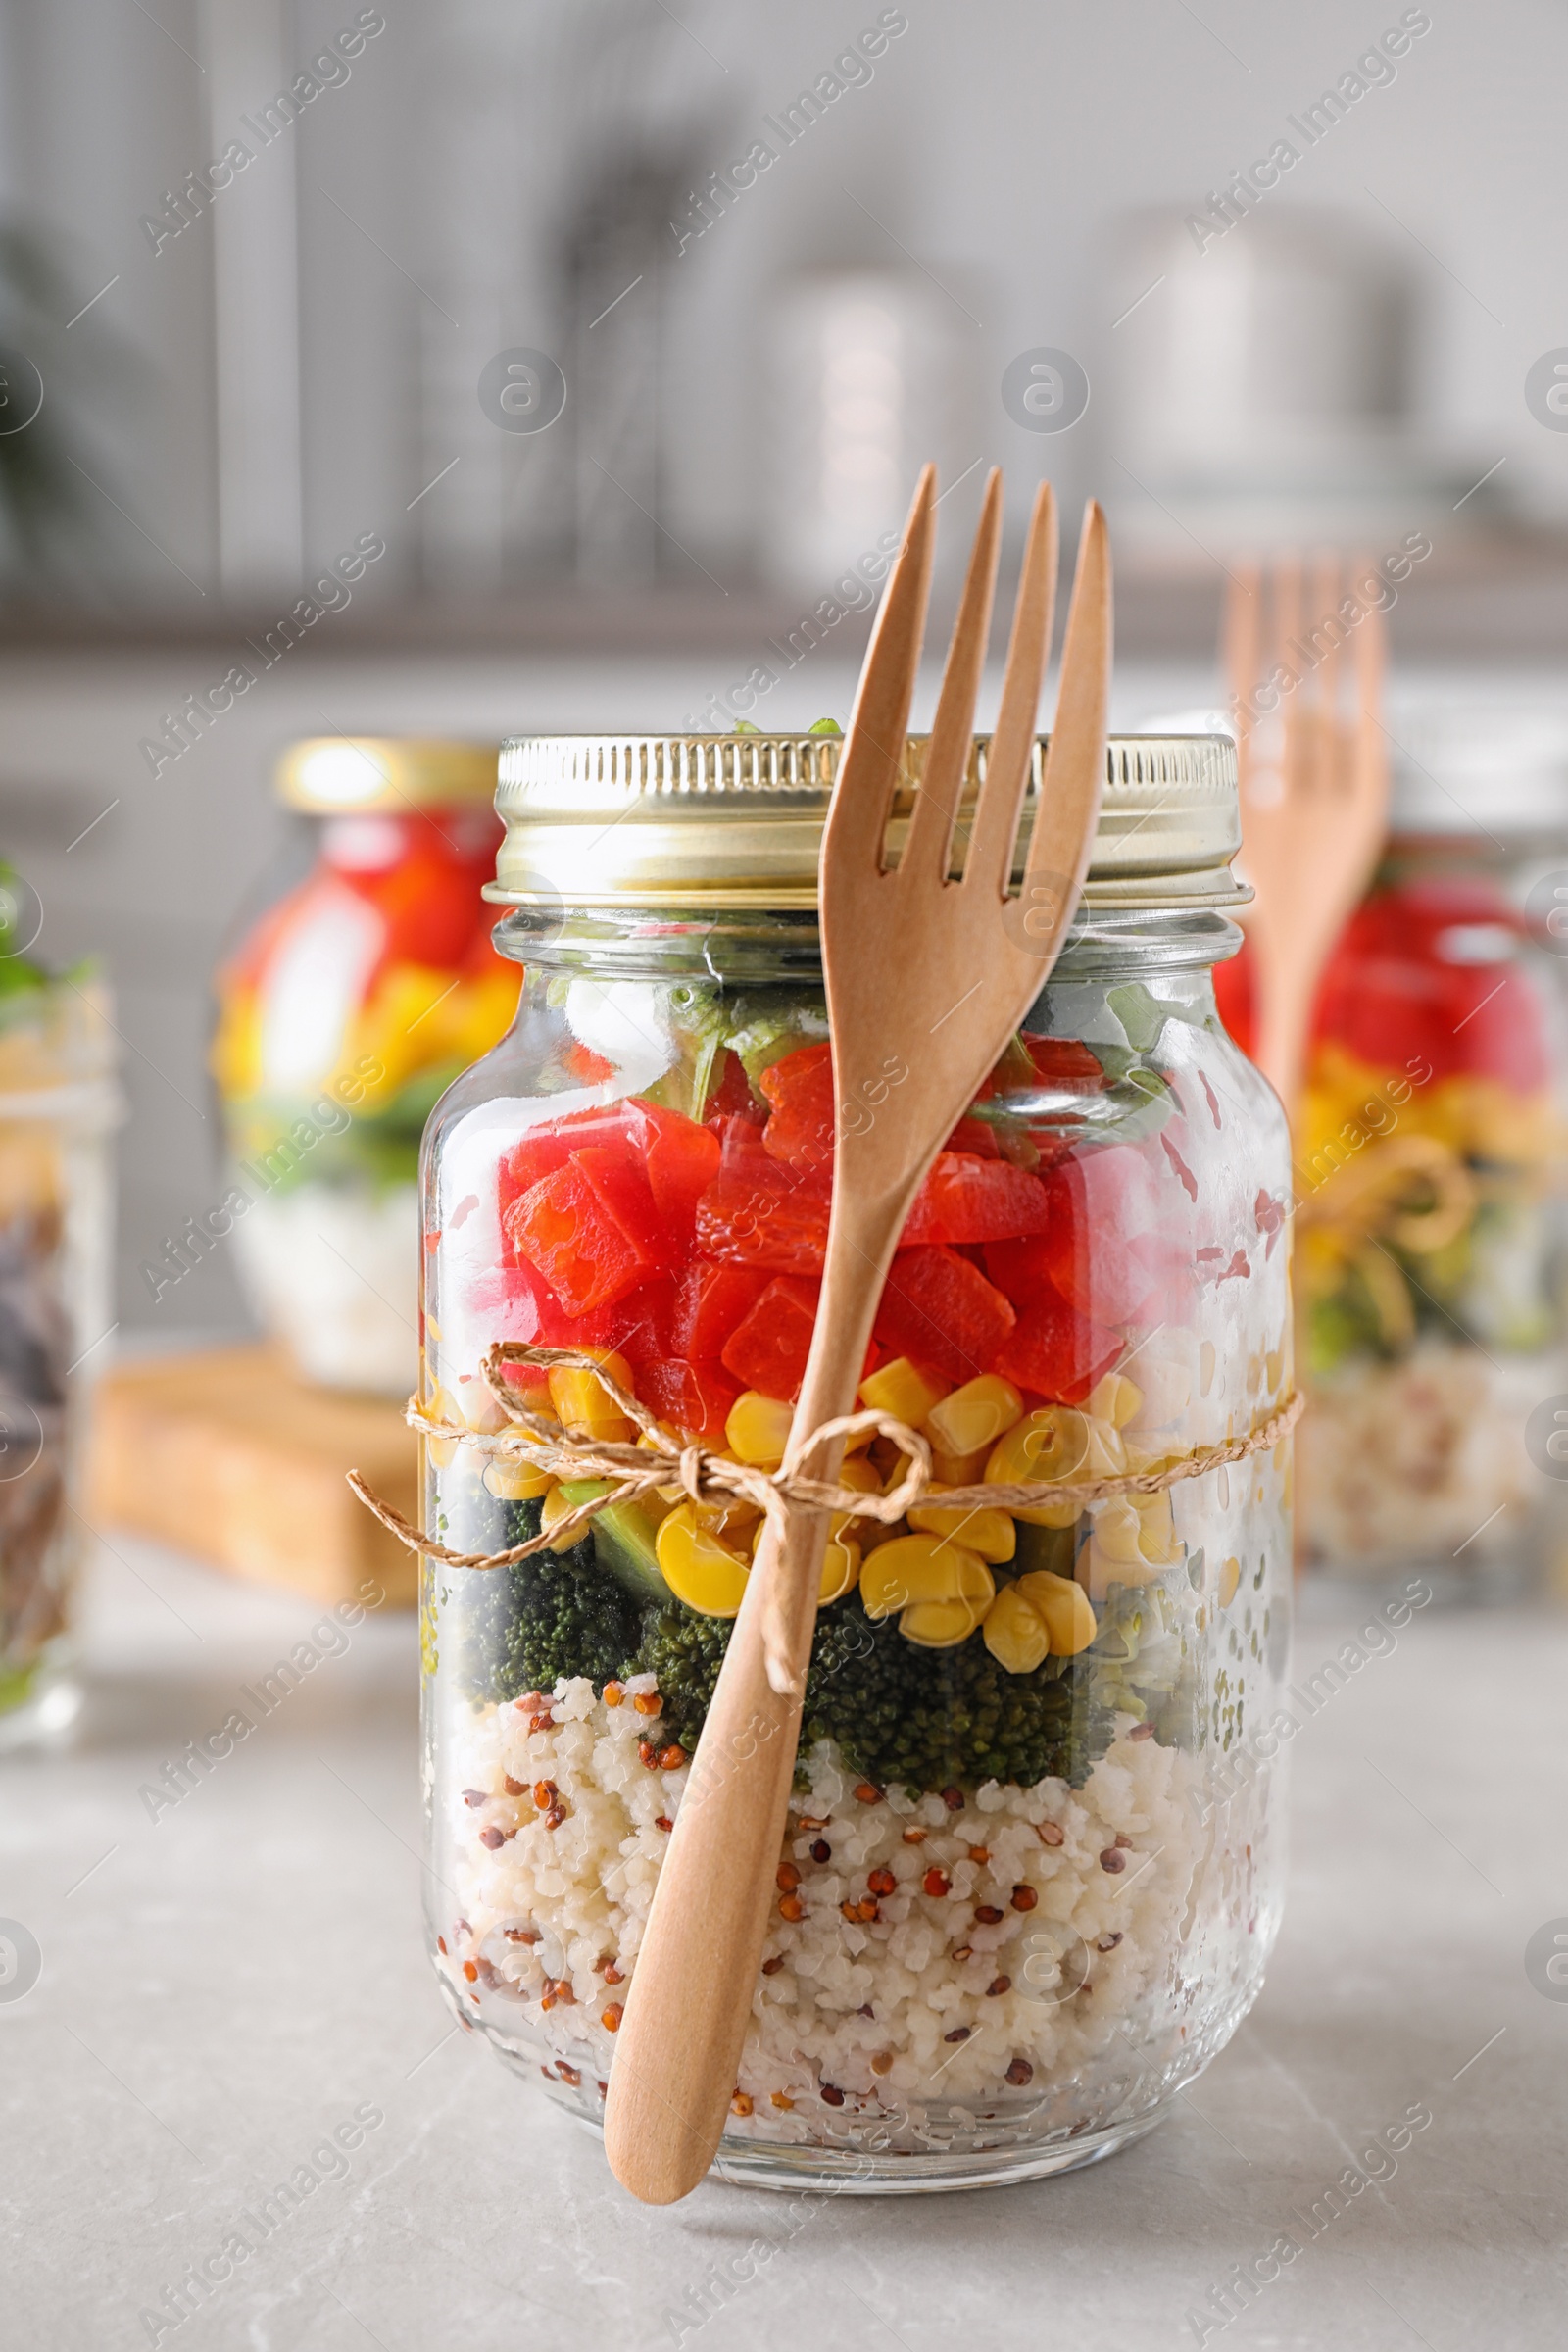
1494 595
226 1454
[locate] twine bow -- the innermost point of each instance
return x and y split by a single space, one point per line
708 1477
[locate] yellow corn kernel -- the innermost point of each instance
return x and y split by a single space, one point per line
940 1624
1114 1553
1230 1577
586 1409
556 1506
1115 1399
1156 1527
841 1569
441 1407
1119 1529
516 1481
974 1416
733 1521
903 1390
758 1429
1063 1607
699 1569
1052 1443
861 1476
1015 1633
921 1568
990 1532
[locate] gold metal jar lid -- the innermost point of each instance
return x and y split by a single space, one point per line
723 821
343 775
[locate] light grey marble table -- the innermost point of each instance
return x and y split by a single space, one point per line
223 1988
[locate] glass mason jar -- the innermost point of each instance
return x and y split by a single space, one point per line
59 1105
1032 1865
344 1012
1431 1178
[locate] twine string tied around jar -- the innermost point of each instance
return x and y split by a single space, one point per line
707 1476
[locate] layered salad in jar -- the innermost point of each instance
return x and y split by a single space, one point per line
1430 1236
1025 1889
343 1015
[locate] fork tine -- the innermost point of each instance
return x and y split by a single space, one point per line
1061 841
868 767
996 818
1245 661
1294 713
947 760
1326 592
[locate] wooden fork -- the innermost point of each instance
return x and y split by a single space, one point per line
930 977
1314 779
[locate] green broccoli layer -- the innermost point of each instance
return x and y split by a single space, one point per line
928 1719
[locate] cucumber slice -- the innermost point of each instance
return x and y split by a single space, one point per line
624 1538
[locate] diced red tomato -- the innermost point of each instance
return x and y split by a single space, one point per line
977 1136
681 1159
590 1228
761 1212
636 1326
734 1097
966 1199
941 1309
1065 1061
515 1303
1054 1350
678 1156
1099 1201
543 1150
750 1225
1402 991
710 1300
688 1396
800 1091
768 1350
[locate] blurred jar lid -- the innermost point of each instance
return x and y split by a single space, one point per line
736 820
331 775
1479 768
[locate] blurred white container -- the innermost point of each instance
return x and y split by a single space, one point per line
1261 388
864 370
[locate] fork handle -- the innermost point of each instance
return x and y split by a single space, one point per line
690 1996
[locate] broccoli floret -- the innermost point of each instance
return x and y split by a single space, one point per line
684 1652
522 1627
932 1716
925 1717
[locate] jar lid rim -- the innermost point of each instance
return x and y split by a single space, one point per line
735 820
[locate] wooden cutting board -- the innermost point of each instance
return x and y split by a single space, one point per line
226 1454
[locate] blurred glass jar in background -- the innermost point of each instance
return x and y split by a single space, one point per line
1432 1174
58 1107
345 1011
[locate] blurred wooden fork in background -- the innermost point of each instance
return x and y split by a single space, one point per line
1305 654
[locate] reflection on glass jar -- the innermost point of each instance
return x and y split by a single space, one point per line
58 1107
344 1014
1431 1178
1030 1876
